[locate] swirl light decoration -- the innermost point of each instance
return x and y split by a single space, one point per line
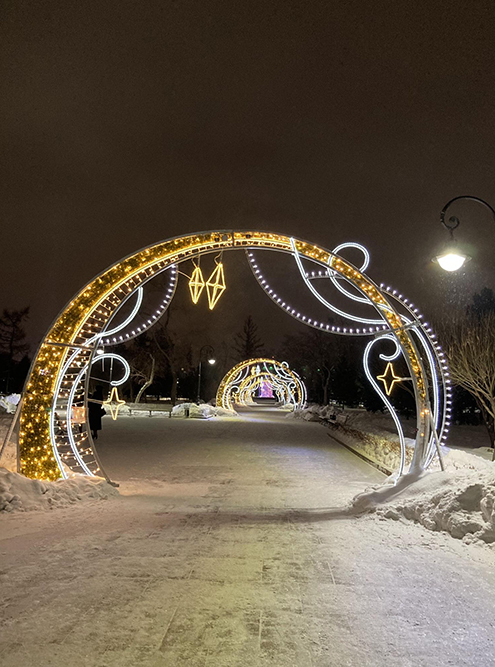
49 444
241 382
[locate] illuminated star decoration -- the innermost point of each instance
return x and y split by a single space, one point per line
215 285
111 400
196 284
389 378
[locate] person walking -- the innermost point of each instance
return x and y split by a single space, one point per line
96 411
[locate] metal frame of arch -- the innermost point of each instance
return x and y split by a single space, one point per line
50 446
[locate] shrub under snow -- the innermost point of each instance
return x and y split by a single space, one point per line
201 411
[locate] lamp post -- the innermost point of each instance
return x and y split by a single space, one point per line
211 361
452 258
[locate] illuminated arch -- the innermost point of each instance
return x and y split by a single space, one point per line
243 379
50 447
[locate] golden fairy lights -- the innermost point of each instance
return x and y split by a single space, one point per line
43 442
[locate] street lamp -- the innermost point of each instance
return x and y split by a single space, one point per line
452 258
210 360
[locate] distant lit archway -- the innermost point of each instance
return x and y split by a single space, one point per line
262 378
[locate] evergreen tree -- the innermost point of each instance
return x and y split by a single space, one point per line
12 341
247 343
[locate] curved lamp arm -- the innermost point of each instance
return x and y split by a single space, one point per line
455 222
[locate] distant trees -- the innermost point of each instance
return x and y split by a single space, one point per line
247 343
328 363
470 344
469 339
13 347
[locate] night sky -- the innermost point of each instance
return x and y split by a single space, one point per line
124 123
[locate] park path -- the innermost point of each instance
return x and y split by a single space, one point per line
231 545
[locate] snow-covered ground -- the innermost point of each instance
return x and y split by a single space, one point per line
231 543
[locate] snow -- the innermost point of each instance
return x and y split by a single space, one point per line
20 493
10 402
232 543
8 457
201 411
459 501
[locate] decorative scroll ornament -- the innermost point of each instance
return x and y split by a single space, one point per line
196 284
114 402
215 285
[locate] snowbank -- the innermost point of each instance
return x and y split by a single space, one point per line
201 411
20 493
459 501
372 435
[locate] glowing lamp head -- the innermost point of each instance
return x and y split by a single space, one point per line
451 260
211 361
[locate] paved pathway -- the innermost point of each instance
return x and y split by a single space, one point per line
231 546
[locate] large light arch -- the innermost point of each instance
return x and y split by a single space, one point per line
48 446
240 379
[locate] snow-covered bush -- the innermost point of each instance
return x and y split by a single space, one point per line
9 403
201 411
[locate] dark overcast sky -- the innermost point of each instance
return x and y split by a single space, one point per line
128 122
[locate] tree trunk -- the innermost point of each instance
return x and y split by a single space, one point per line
325 389
489 425
173 390
148 382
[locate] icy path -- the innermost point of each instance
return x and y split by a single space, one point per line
231 547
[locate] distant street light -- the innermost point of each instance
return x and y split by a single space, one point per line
453 258
210 360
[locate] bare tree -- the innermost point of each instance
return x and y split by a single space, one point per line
470 344
175 353
142 358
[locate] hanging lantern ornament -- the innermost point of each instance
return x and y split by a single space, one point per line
215 285
196 283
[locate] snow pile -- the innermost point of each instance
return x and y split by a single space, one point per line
201 411
9 403
21 493
143 410
459 501
312 413
372 435
383 448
